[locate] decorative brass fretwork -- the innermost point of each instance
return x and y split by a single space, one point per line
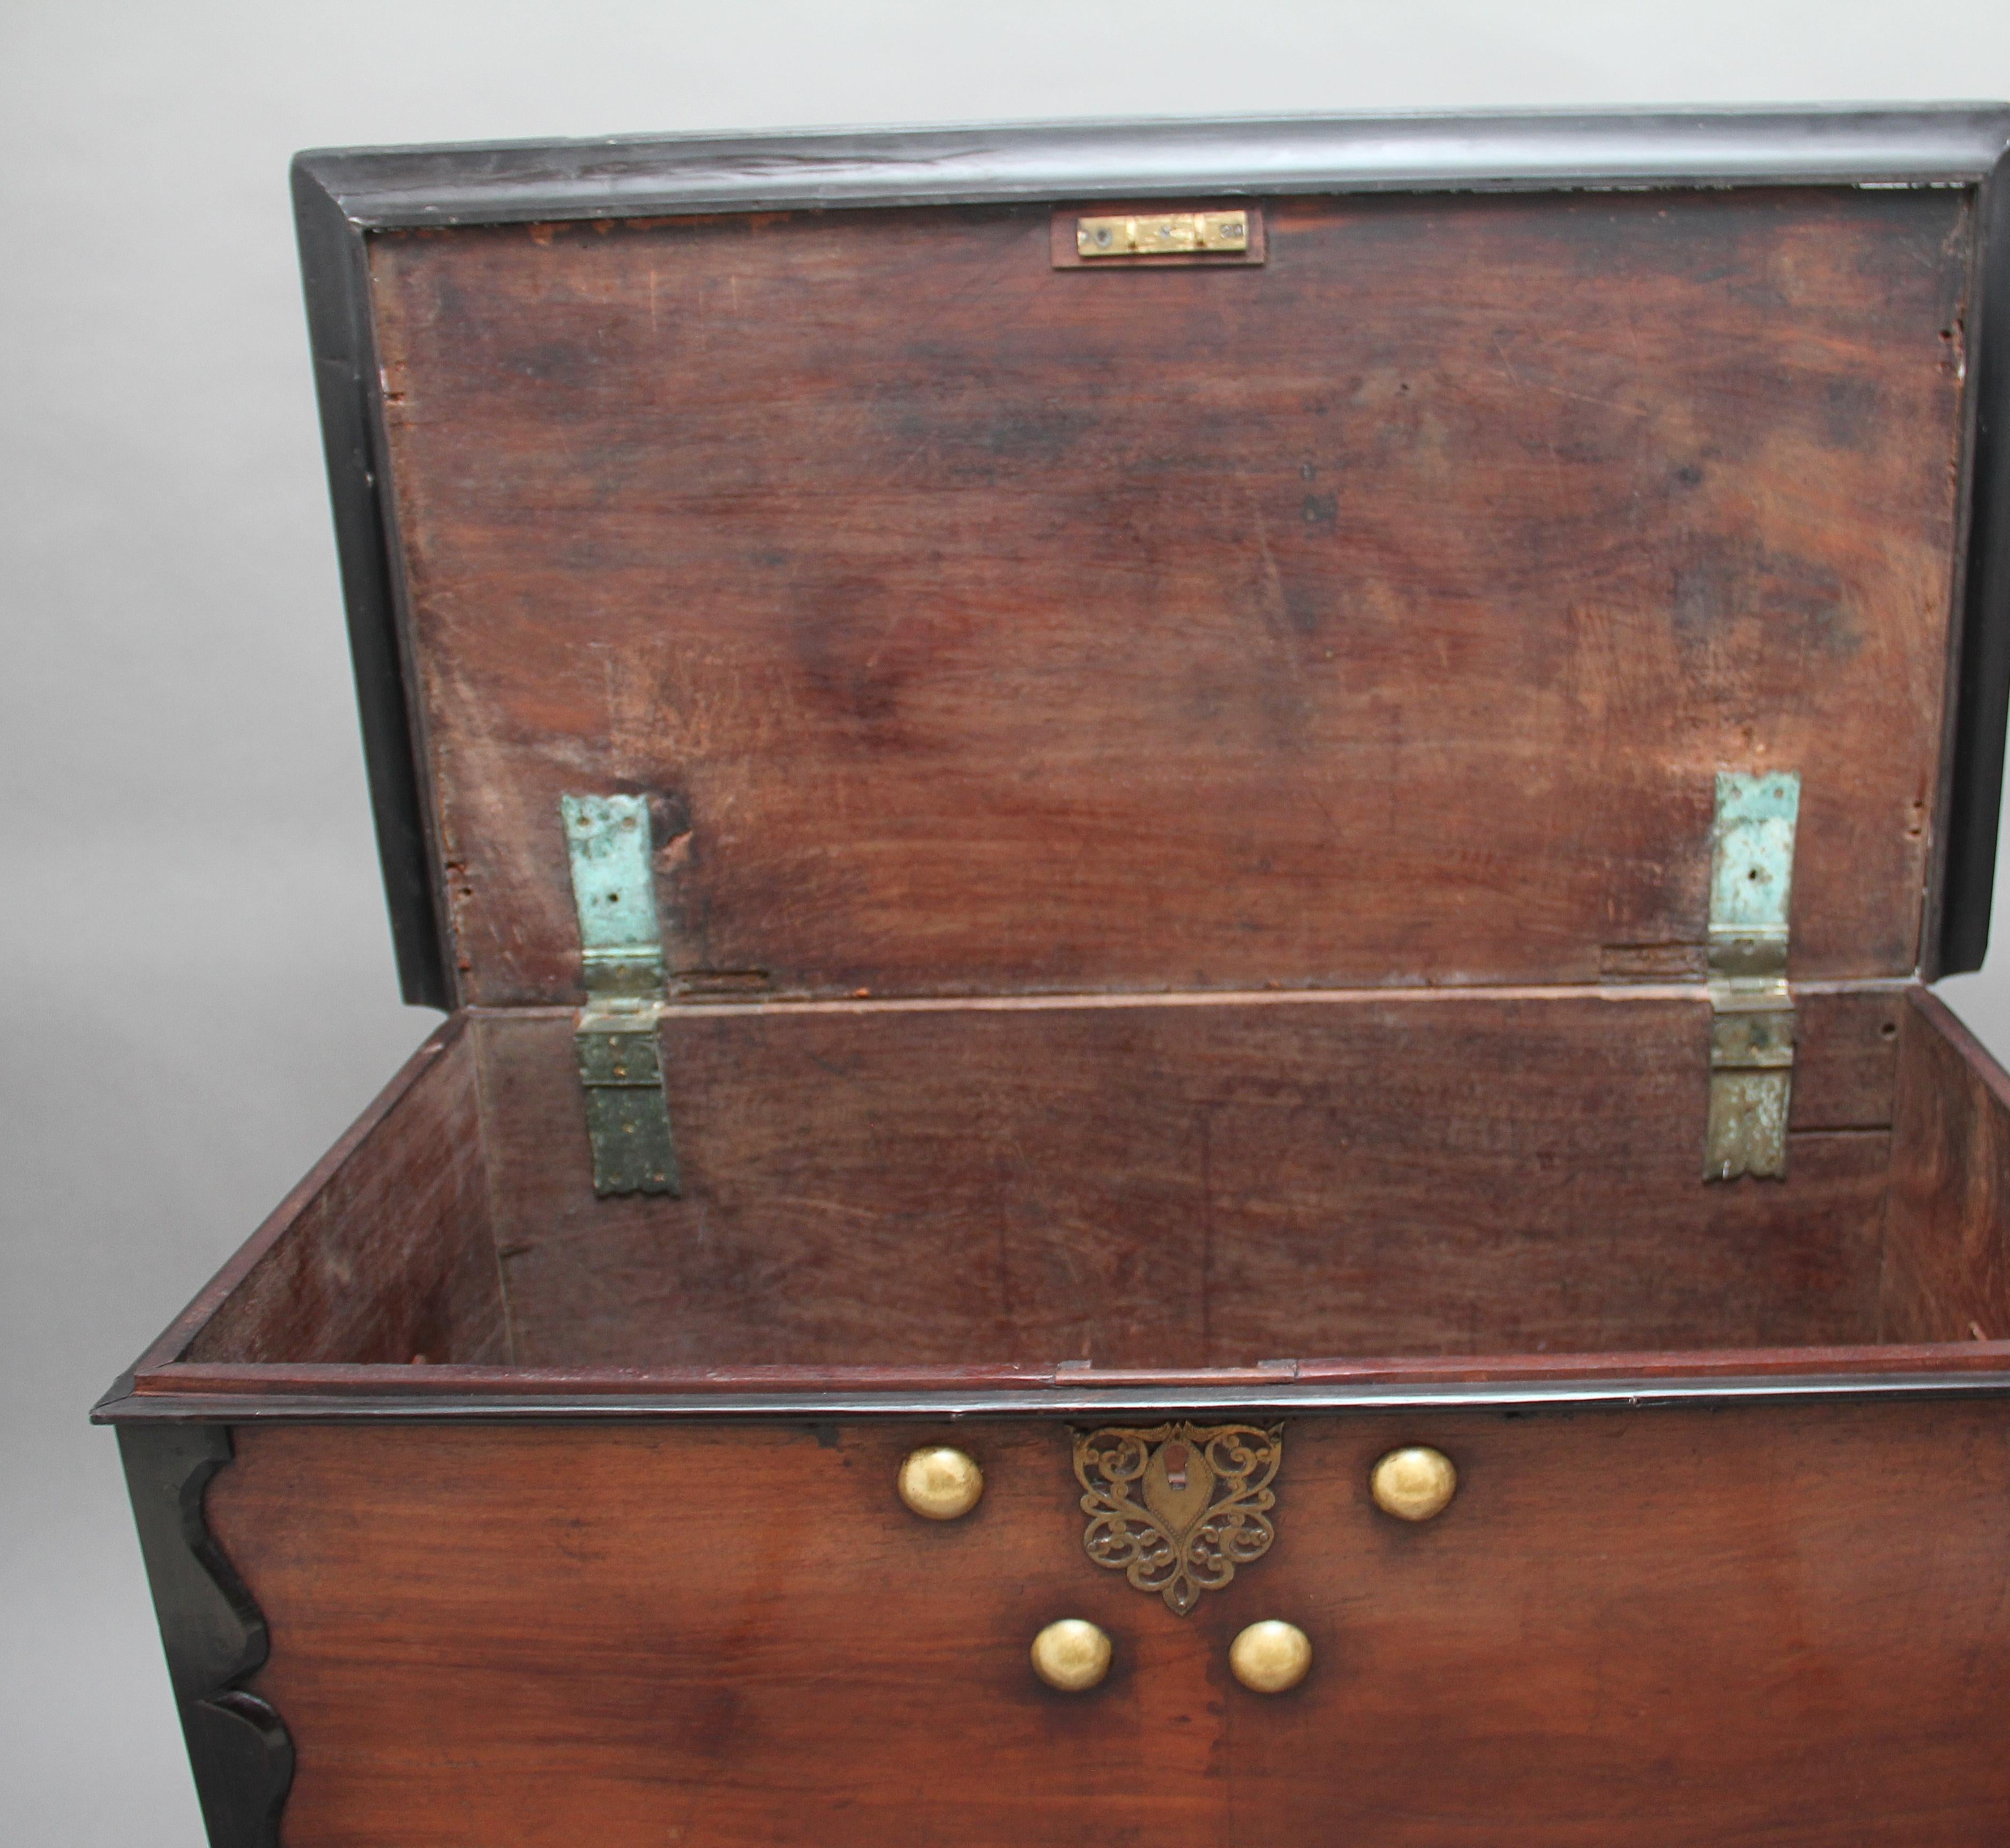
1176 1508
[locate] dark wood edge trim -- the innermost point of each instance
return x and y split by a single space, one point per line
214 1636
1941 853
378 1391
240 1379
1982 674
622 176
174 1340
335 273
1063 1400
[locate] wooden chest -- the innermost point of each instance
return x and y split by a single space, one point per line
1184 876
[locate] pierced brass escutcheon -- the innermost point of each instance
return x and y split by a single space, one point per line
1177 1508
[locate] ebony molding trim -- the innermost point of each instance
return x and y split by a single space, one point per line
623 177
335 271
1982 688
212 1632
152 1411
341 195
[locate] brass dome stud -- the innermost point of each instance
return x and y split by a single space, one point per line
1270 1656
941 1485
1072 1654
1415 1483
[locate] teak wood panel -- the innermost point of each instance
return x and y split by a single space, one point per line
391 1259
1378 615
1188 1183
1776 1625
1947 1269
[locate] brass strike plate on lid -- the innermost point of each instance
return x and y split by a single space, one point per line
1157 236
1160 234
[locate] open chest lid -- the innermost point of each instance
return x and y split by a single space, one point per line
1211 556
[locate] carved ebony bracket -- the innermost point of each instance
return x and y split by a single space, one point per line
214 1637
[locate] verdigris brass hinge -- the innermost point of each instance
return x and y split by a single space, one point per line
1751 1011
621 947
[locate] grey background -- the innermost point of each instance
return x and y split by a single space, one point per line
197 984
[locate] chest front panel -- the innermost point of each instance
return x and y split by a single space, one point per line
1775 1624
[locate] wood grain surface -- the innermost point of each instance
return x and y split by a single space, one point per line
391 1259
876 1190
1779 1627
1378 615
1947 1271
1346 644
1187 1184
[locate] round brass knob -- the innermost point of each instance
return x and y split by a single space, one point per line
1072 1655
941 1485
1270 1656
1414 1484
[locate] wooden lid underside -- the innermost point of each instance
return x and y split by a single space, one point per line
1379 614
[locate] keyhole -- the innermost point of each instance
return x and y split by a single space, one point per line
1176 1466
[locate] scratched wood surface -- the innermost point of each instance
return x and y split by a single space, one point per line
1185 1183
1378 615
1777 1625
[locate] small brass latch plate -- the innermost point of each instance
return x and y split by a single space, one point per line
1177 1508
1752 1024
1162 234
615 1038
1145 235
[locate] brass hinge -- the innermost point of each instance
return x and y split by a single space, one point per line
615 1037
1162 234
1752 1010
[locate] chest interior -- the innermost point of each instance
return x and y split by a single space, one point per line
1173 1185
1181 802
